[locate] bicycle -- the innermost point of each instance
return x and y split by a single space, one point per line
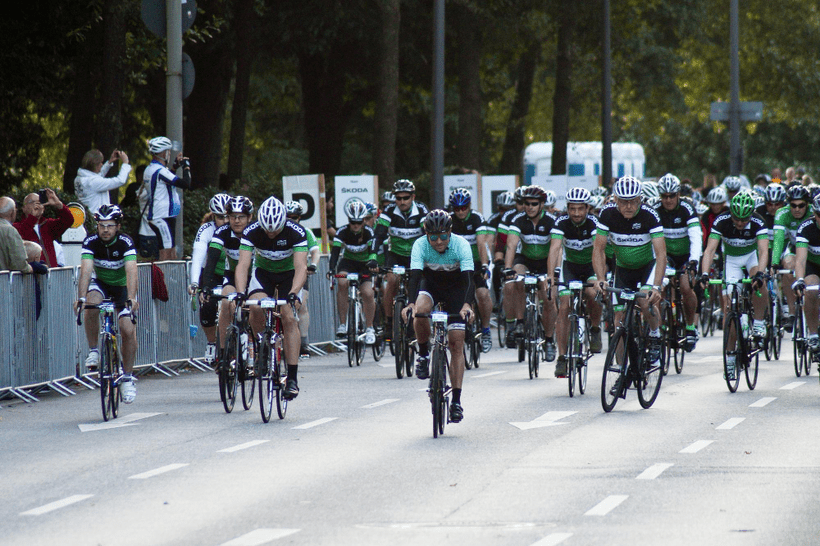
745 347
439 390
578 350
355 320
233 368
380 346
533 340
270 366
774 316
109 372
673 325
472 341
800 341
627 359
711 308
402 346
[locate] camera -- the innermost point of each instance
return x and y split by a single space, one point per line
43 197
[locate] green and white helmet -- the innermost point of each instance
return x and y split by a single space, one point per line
742 205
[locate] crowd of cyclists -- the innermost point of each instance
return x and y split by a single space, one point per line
632 237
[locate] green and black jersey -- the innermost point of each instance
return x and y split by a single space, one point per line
681 229
109 258
402 228
738 242
274 255
534 237
578 240
786 224
808 236
470 228
631 238
357 246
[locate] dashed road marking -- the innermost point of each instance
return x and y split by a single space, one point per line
792 386
488 374
315 423
553 539
380 403
260 536
730 423
157 471
56 505
695 447
240 447
653 471
124 421
607 505
763 401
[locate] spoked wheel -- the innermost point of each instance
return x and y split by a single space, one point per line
706 313
500 326
732 329
107 388
437 385
361 346
650 376
469 346
573 355
398 343
668 333
267 381
352 327
227 373
680 334
615 365
246 377
380 346
751 370
409 359
777 330
280 375
530 344
799 344
581 361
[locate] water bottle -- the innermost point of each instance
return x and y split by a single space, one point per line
243 341
744 325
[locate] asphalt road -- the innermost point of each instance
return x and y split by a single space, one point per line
354 462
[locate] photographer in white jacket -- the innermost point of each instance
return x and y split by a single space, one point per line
91 184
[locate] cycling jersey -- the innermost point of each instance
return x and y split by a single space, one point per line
470 228
503 229
534 238
162 192
312 242
785 222
358 247
681 229
808 236
199 254
274 255
578 240
457 257
227 242
631 238
738 242
444 276
402 228
109 258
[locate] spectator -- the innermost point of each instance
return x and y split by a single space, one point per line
790 174
44 231
777 174
158 196
807 180
12 251
91 184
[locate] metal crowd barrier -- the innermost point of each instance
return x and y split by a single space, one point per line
48 351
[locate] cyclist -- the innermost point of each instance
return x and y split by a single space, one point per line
356 239
550 202
372 214
278 249
222 258
401 223
786 222
387 199
470 224
640 253
109 271
295 211
745 247
716 199
574 235
215 219
807 271
650 193
681 229
532 229
775 199
505 202
732 185
441 271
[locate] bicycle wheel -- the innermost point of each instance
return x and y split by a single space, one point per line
476 353
529 343
650 375
399 340
777 338
352 328
668 333
680 354
469 347
378 325
280 373
437 389
581 362
227 372
409 359
615 365
751 370
706 313
500 322
731 328
573 354
105 374
265 374
245 374
361 346
798 341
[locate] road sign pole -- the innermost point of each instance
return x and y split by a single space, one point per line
606 100
437 151
173 90
735 154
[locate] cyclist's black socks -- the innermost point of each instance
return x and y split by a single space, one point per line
424 349
292 372
456 396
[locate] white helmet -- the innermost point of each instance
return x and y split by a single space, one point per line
732 183
272 214
627 187
649 190
551 199
669 183
578 195
159 144
219 203
716 195
355 210
596 201
701 208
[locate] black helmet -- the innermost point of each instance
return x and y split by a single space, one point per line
797 193
403 185
437 221
241 205
108 212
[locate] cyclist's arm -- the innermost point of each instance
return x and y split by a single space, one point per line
207 279
709 253
599 256
199 255
483 239
382 225
242 268
763 250
334 254
300 269
556 249
86 267
132 281
779 240
659 246
512 243
801 254
695 240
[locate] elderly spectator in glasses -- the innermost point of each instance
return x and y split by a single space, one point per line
91 184
12 251
44 231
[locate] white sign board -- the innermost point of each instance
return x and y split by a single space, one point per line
305 189
472 182
560 184
492 187
363 187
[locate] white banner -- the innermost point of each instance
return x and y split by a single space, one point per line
561 183
305 189
363 187
492 187
472 182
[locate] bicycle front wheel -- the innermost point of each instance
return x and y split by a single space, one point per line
437 386
650 375
107 388
352 327
245 375
751 370
279 371
573 354
399 341
777 338
614 370
581 361
680 333
227 372
731 329
799 343
267 385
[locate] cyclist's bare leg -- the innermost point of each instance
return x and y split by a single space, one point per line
304 314
760 302
594 308
562 326
811 306
455 339
690 300
210 333
293 339
129 343
514 295
341 298
391 286
92 318
548 311
485 306
257 315
654 318
787 281
368 302
422 326
226 309
726 306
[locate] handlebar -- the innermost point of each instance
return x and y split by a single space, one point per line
103 303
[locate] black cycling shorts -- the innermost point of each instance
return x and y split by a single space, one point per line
117 294
576 272
453 298
207 312
634 279
535 267
272 284
391 259
478 276
811 269
352 266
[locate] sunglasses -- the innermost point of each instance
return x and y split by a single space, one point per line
668 195
356 222
797 205
531 203
405 198
107 226
461 209
437 236
221 216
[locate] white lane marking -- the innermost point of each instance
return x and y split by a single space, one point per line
124 421
315 423
731 423
488 374
553 539
695 447
240 447
763 401
792 386
708 359
260 536
56 505
607 505
547 420
653 471
157 471
380 403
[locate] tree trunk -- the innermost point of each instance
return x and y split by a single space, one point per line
562 100
512 156
387 101
469 89
242 81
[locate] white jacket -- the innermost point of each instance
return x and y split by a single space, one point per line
92 188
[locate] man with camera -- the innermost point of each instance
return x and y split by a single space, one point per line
92 185
44 231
